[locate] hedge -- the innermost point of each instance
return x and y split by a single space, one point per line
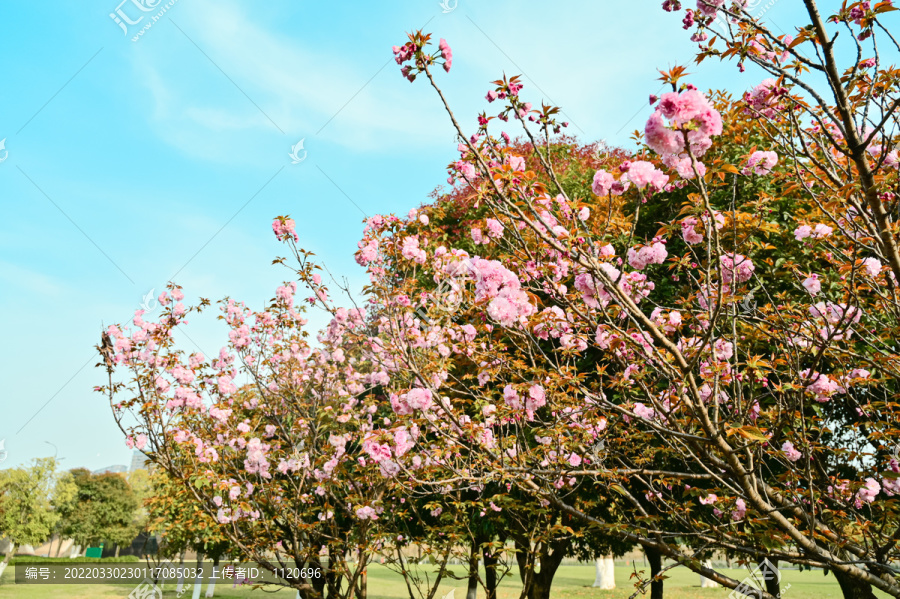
28 559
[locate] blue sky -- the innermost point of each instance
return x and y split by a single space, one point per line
132 162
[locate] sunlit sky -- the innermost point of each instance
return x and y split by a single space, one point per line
131 163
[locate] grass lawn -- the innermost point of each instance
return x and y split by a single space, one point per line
570 582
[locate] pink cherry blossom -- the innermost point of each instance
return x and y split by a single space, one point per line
789 452
419 399
536 398
820 231
812 284
761 162
690 115
740 508
366 513
511 398
708 7
868 492
764 99
736 267
284 229
821 385
256 462
446 54
660 138
494 228
411 251
602 182
655 253
689 231
684 166
642 411
643 173
872 266
892 159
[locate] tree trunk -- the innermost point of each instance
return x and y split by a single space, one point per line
180 586
333 581
211 585
318 582
540 589
707 583
853 588
655 559
198 582
606 573
9 554
550 559
772 576
472 591
525 561
490 574
117 550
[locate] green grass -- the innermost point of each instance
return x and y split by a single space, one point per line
571 582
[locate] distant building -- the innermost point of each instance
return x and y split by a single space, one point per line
138 461
117 469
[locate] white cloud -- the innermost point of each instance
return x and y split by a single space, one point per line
22 279
297 87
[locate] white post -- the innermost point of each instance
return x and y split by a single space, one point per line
706 583
211 587
198 583
606 573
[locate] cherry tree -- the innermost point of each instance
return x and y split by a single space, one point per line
277 463
747 344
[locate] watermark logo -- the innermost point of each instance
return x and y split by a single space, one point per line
448 295
130 13
146 590
448 6
598 451
3 452
722 20
122 19
755 584
149 588
748 304
149 303
296 149
4 153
